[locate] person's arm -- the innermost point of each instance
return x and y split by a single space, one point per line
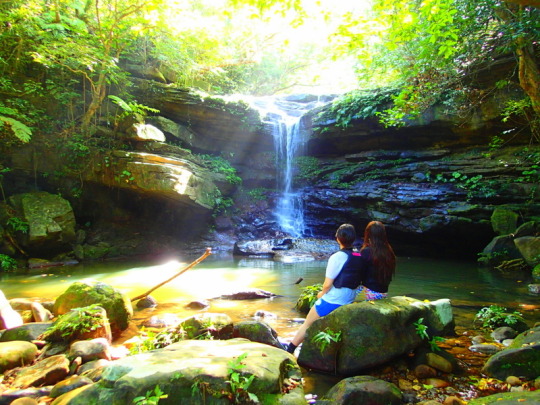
328 282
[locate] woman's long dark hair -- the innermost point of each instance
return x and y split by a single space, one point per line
382 253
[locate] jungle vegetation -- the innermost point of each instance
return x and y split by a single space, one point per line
61 59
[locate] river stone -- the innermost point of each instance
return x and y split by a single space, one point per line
502 333
179 366
220 326
85 293
500 248
69 384
24 401
256 332
27 332
372 333
531 228
89 350
50 218
69 327
504 221
16 354
7 398
521 358
40 313
45 372
508 398
364 389
529 247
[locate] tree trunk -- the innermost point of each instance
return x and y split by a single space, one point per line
98 95
529 74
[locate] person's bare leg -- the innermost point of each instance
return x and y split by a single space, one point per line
311 317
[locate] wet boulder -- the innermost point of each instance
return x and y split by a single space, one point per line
368 334
504 221
363 389
521 358
175 369
219 326
529 247
89 322
89 292
16 354
256 332
45 372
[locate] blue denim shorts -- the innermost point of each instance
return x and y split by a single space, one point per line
324 308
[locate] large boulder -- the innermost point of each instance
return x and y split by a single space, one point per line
363 389
50 219
504 221
529 247
89 292
207 377
521 358
372 333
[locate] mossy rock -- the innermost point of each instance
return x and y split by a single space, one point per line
86 293
536 271
79 324
509 398
504 221
521 358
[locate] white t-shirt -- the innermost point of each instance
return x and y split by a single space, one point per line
340 296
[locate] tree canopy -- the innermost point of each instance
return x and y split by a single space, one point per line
61 58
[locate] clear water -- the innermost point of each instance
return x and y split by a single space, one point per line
468 286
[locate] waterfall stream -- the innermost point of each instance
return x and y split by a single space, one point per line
283 118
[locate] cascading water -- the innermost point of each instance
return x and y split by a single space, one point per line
283 118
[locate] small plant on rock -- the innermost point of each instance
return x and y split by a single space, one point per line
308 296
152 397
239 383
324 338
495 316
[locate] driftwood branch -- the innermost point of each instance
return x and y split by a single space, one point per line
200 259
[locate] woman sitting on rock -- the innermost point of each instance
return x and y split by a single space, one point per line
348 272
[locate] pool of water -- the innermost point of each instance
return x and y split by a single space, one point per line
468 286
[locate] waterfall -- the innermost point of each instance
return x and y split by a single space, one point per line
283 116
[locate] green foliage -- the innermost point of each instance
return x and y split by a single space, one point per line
493 257
16 224
358 104
21 131
426 49
258 194
152 397
324 338
7 263
238 382
476 186
220 165
421 330
309 294
495 316
87 319
132 108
